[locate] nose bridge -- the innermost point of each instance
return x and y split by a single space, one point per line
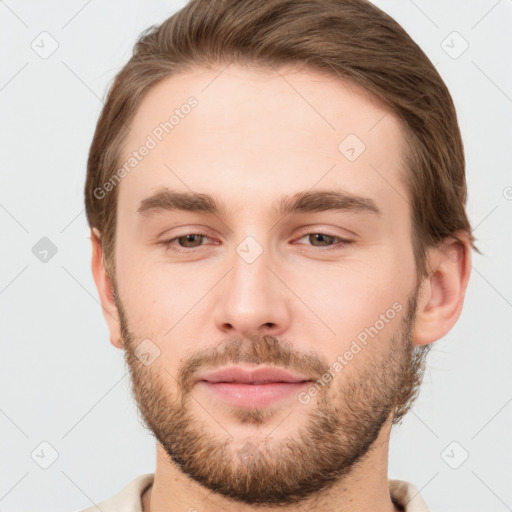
252 299
250 269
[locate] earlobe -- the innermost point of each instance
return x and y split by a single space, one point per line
105 290
442 292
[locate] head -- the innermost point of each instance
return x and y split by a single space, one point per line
277 183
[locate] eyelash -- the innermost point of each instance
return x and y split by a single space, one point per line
335 247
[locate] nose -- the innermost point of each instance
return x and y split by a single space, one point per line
252 300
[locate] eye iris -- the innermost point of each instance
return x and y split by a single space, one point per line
319 237
189 239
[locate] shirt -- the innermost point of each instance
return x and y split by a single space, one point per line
129 499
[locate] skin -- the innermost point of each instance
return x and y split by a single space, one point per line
252 139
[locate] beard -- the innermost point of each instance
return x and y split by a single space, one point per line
337 433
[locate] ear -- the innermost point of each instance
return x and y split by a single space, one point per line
105 290
441 294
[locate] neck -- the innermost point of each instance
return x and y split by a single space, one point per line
364 489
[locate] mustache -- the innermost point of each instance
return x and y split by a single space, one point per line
266 349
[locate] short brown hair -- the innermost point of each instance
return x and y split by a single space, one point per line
352 39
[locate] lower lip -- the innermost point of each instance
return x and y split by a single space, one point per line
254 395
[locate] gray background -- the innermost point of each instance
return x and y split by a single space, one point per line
62 382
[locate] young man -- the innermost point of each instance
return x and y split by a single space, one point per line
276 194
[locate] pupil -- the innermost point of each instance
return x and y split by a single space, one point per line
322 238
190 239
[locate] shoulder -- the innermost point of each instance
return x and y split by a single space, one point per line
407 495
127 499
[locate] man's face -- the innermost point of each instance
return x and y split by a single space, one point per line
255 285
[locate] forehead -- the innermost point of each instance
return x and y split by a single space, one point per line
250 135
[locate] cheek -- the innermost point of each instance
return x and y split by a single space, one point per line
161 304
154 292
158 308
349 293
359 307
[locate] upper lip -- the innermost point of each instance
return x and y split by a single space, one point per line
261 375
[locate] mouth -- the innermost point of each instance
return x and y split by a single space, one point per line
251 388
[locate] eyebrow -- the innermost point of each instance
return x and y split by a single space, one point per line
302 202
